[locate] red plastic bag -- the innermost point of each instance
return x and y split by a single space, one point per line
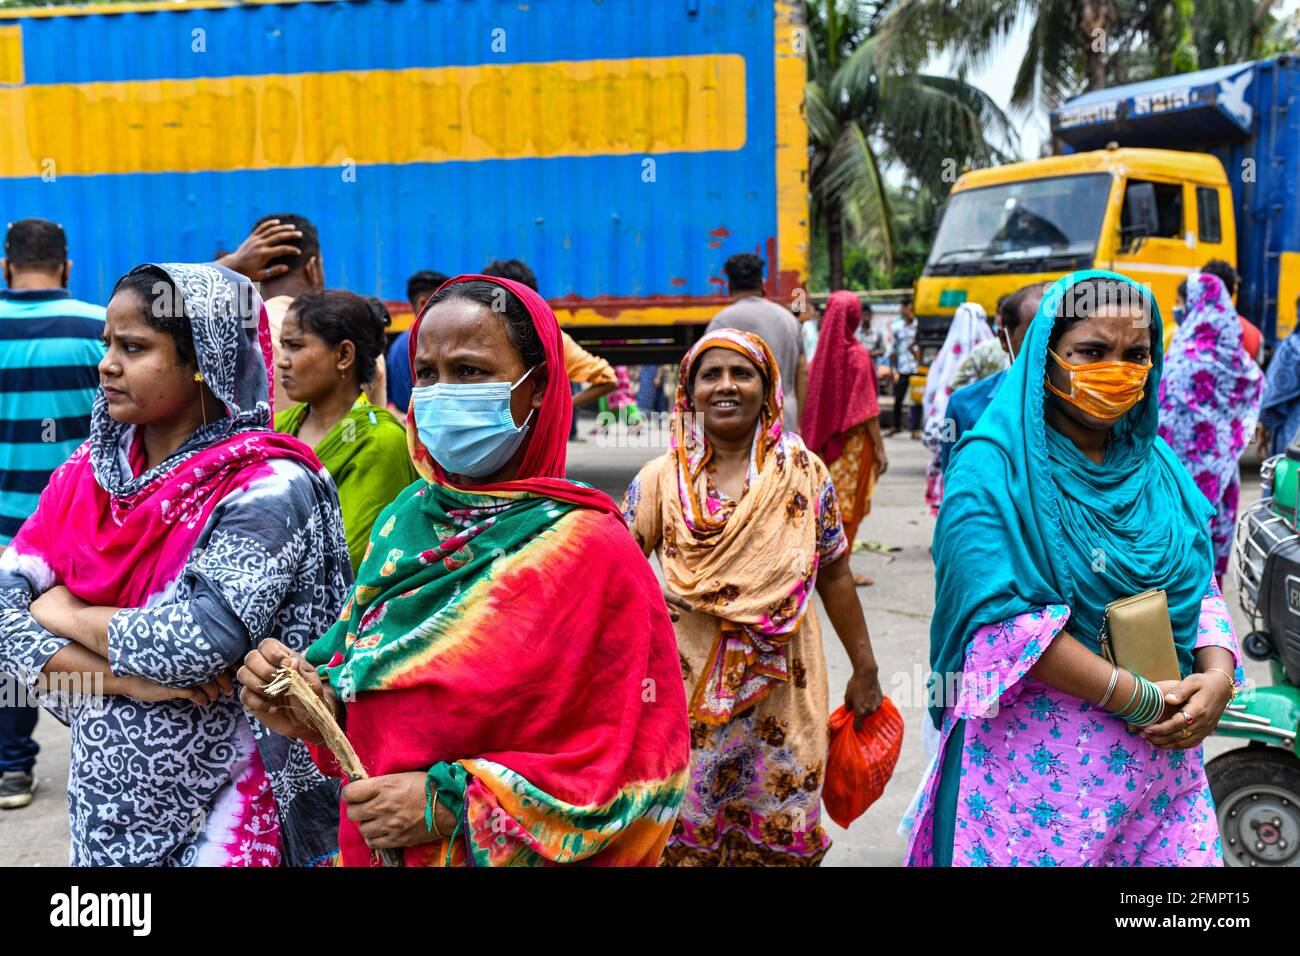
860 762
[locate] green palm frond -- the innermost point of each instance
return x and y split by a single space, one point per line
823 124
932 125
851 181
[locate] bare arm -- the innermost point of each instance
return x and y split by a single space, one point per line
840 595
270 240
61 612
101 630
74 667
878 444
593 393
1070 667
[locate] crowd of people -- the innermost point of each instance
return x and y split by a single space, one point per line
230 470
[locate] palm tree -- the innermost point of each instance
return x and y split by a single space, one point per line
1080 45
1230 31
869 107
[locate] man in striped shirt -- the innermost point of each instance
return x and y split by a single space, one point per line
50 349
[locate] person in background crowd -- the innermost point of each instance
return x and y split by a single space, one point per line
1279 418
329 343
987 358
178 537
904 354
1180 305
590 376
505 667
50 348
651 397
270 240
418 290
841 423
811 331
969 327
1037 765
620 405
967 404
776 325
295 270
746 525
1252 339
873 336
1209 403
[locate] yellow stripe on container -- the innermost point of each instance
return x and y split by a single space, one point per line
792 240
527 110
1288 289
11 54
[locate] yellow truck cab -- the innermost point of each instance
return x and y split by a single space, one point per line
1152 214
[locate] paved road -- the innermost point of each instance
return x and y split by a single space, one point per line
898 610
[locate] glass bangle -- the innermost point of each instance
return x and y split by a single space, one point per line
1137 685
1155 705
1144 715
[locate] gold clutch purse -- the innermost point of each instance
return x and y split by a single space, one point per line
1137 636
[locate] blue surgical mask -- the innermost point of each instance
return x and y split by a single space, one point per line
468 429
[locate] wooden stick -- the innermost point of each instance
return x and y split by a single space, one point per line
289 681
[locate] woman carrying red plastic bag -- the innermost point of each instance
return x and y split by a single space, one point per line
860 762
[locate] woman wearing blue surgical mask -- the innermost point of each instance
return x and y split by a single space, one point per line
505 666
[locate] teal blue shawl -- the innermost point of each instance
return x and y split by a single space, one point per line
1027 520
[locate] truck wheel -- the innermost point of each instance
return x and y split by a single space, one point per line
1256 792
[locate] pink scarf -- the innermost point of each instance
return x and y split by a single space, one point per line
841 380
120 552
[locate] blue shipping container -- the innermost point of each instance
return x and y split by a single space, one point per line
623 149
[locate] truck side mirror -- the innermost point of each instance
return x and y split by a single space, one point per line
1140 219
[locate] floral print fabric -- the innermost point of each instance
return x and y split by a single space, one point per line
1209 402
754 797
854 475
969 328
1047 779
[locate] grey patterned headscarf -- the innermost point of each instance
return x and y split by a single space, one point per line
232 347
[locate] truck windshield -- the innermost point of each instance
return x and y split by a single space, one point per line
1006 227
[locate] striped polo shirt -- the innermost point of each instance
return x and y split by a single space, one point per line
50 347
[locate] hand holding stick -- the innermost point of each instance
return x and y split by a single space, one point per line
288 681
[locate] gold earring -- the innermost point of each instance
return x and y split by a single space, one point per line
203 406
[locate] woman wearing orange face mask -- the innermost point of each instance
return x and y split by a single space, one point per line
1061 500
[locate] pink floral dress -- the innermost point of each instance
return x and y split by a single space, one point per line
1048 779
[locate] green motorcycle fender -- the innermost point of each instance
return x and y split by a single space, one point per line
1269 715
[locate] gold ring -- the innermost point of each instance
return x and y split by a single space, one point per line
1186 732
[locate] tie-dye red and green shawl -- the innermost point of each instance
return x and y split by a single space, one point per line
519 645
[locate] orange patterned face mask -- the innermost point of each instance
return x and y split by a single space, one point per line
1103 389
